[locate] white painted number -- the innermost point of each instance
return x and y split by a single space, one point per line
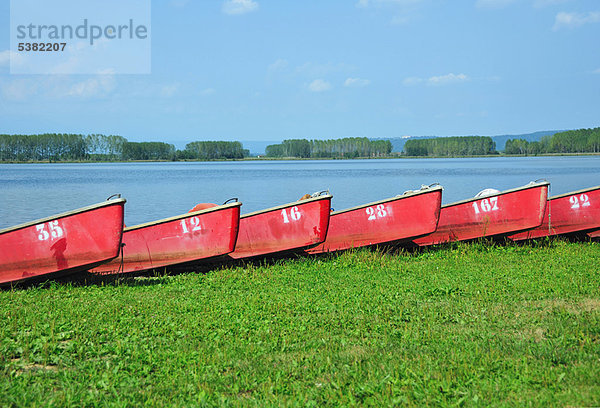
487 205
581 201
377 212
195 221
295 215
43 234
371 212
574 202
194 225
55 229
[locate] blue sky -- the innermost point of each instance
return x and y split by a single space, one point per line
253 70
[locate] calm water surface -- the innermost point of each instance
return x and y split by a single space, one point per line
158 190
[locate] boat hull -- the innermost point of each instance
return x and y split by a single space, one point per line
383 222
594 234
186 238
490 216
576 212
288 228
61 244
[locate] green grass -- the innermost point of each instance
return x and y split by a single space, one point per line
467 325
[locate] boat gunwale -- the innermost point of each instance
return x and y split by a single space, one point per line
387 200
117 201
182 216
584 190
512 190
294 203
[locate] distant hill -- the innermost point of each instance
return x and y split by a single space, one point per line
530 137
398 142
257 147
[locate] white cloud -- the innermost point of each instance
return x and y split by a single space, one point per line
447 79
168 91
436 80
98 86
278 65
19 89
493 3
236 7
207 91
596 71
319 85
412 81
56 87
572 20
356 82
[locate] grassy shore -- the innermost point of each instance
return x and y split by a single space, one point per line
468 325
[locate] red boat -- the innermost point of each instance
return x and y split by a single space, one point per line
284 229
594 234
197 235
490 215
393 220
61 244
575 212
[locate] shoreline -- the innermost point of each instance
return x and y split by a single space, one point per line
400 157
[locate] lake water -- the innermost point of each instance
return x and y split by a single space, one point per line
159 190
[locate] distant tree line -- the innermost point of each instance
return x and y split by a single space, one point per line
148 151
348 147
572 141
214 150
50 147
96 147
73 147
451 146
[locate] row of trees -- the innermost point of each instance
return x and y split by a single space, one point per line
50 146
148 151
214 150
96 147
572 141
451 146
348 147
73 147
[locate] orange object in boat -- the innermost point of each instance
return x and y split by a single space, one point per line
202 206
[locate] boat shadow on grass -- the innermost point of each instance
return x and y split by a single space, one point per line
86 279
162 275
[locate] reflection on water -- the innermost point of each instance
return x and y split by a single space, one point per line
159 190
